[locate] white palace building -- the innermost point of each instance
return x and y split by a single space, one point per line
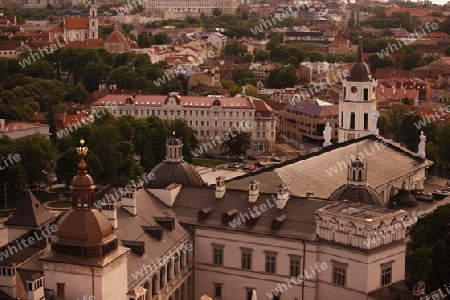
329 225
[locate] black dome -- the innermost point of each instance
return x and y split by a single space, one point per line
357 164
360 70
360 193
167 173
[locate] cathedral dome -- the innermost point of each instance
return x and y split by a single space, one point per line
174 169
167 173
361 193
360 71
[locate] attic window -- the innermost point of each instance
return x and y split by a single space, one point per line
278 222
229 215
204 213
166 222
155 231
137 247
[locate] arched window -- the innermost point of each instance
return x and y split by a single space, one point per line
352 120
354 175
360 175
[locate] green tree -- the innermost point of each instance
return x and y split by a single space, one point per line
282 77
242 76
235 49
447 51
237 144
37 155
67 165
13 174
427 257
216 11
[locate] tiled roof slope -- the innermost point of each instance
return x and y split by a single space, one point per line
299 212
30 213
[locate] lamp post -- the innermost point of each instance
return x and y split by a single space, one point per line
6 202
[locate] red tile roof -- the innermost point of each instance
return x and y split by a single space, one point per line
413 11
76 23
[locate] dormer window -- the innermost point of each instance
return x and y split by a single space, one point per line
33 285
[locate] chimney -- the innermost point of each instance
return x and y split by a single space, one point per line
109 209
282 196
129 201
2 124
220 187
253 191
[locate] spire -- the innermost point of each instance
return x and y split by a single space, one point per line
360 51
360 71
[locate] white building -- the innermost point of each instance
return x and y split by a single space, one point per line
358 105
16 129
159 7
210 117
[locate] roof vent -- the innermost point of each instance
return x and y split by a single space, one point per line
155 231
229 215
166 222
253 218
204 213
137 247
277 222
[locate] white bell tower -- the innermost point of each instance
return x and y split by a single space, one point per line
357 108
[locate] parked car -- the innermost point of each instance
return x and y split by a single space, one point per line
238 165
238 159
246 167
422 196
251 168
231 165
259 164
224 157
275 159
251 157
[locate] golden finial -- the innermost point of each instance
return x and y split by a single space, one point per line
82 151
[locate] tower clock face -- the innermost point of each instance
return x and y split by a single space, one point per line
353 89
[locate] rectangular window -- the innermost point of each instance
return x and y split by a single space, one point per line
217 290
218 254
294 266
60 291
366 94
339 273
246 259
386 274
270 263
366 121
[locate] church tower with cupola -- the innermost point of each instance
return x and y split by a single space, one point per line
85 259
357 108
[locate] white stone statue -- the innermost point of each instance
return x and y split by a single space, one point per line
373 122
423 139
327 135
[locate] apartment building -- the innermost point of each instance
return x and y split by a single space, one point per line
208 116
305 120
159 7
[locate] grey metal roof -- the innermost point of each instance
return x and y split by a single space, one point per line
324 173
174 172
299 212
130 229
